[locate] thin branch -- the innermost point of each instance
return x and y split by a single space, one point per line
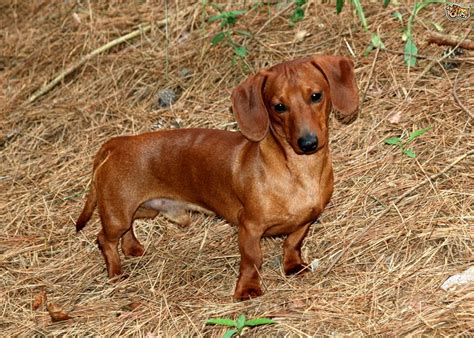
456 97
61 75
449 40
144 28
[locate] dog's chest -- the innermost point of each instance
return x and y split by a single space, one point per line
294 203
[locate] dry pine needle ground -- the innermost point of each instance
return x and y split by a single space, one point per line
388 279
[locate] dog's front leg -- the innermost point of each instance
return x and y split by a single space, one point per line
248 285
292 262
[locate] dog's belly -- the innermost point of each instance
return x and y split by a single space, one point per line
166 204
174 210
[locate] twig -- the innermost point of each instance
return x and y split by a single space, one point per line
385 211
433 62
273 18
61 75
456 97
449 40
370 75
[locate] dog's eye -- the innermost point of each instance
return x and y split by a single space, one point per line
280 108
316 97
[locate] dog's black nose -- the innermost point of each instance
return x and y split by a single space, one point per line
308 143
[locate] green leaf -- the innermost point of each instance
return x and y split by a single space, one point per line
220 321
360 13
259 321
369 48
240 322
244 33
229 333
377 42
398 15
298 15
417 133
227 17
300 3
234 13
385 3
339 6
409 153
215 17
241 51
229 21
410 53
438 26
393 141
217 38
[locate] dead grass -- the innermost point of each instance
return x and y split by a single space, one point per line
386 283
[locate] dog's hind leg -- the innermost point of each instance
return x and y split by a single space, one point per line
115 223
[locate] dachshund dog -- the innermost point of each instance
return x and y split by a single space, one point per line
272 178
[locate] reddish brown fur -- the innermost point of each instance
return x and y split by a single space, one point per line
259 179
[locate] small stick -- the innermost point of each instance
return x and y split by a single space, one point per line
61 75
449 40
370 76
456 97
273 18
385 211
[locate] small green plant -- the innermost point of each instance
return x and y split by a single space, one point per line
298 13
236 326
402 144
410 50
228 20
375 40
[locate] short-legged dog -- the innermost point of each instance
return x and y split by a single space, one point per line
272 178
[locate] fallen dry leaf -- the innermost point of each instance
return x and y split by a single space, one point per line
132 306
395 117
57 314
301 35
39 299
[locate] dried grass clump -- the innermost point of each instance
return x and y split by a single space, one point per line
395 249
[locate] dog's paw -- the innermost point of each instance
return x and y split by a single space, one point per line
248 293
296 269
134 251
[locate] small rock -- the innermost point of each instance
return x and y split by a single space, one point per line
165 98
462 278
449 63
184 73
314 265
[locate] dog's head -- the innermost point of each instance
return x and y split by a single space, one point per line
294 99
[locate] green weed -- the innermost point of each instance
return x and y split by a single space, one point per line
227 20
236 326
375 40
410 49
402 144
298 13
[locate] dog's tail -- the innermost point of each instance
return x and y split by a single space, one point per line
91 200
86 214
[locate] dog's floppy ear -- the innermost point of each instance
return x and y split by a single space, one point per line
249 108
339 72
